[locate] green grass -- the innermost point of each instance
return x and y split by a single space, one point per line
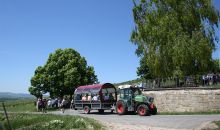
214 86
19 106
218 124
189 113
42 121
50 122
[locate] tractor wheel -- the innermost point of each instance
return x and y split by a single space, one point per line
86 110
101 111
142 110
154 110
120 107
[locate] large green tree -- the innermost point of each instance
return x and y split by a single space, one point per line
63 72
174 37
37 82
216 66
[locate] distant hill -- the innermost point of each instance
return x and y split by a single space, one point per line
14 96
131 82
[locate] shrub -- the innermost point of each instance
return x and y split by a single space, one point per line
54 124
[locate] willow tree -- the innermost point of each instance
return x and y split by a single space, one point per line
174 37
63 72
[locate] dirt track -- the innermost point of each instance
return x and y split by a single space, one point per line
157 122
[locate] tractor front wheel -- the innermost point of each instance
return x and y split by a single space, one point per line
142 110
120 107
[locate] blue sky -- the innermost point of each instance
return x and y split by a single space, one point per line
99 30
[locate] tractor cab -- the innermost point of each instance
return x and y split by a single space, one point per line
130 98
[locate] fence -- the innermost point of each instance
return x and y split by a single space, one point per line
6 117
187 81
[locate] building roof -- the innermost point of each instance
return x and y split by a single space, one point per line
93 88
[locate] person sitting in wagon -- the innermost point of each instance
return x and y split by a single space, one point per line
106 97
111 97
84 97
95 97
89 97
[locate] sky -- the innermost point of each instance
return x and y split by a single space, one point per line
99 30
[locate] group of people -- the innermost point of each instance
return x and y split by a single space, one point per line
210 79
96 97
41 105
89 97
62 103
53 103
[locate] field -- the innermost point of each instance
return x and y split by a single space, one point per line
25 105
22 115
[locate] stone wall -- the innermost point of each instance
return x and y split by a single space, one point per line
186 100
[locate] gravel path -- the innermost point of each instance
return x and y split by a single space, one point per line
157 122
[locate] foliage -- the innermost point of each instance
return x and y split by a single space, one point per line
174 37
36 91
144 70
49 122
218 124
64 70
80 123
54 124
216 66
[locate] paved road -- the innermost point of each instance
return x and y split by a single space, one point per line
184 122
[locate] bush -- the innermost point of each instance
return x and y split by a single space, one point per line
54 124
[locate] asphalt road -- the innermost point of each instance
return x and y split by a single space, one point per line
130 121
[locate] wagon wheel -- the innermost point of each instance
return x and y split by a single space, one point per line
86 110
143 110
120 107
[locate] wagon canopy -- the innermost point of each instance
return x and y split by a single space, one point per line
95 88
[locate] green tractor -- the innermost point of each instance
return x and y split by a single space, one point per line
130 99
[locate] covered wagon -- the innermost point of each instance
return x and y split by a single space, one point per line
95 97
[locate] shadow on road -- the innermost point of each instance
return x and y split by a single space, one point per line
106 113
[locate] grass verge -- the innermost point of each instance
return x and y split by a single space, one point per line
49 122
218 124
215 127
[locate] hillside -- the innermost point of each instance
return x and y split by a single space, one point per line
131 82
14 96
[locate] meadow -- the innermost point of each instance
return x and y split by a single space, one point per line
24 105
22 115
